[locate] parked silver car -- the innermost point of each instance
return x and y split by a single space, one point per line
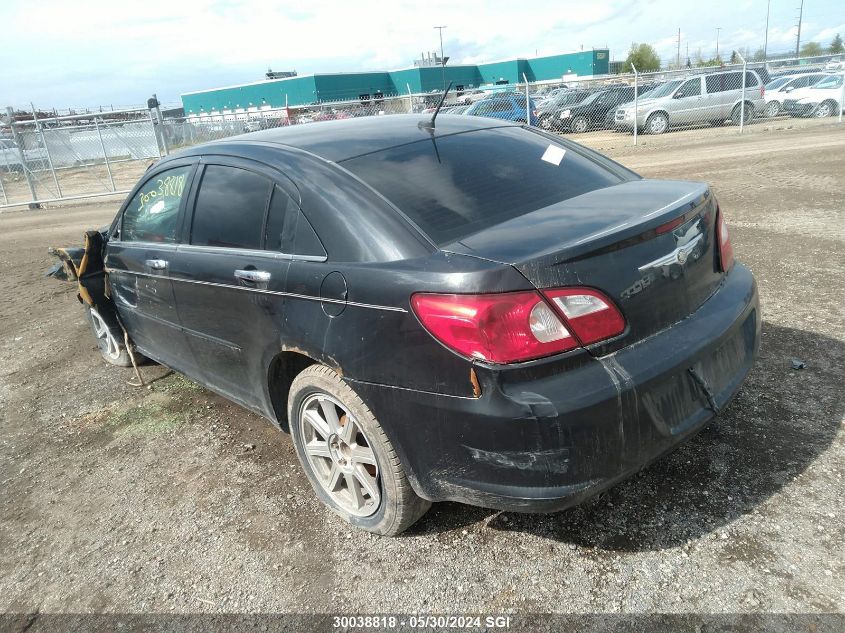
706 98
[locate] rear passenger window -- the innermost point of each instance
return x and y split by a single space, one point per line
305 240
724 82
281 209
750 79
230 208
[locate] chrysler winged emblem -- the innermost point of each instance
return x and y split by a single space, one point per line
688 244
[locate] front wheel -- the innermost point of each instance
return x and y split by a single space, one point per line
825 109
111 348
579 125
347 457
657 123
772 108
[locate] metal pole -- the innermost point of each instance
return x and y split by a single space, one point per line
160 120
46 149
766 38
442 59
17 139
105 153
527 102
842 98
155 134
410 99
678 62
3 191
742 103
798 39
636 101
718 28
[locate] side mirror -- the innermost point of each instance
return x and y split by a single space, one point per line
788 89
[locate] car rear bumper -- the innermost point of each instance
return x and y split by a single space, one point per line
549 439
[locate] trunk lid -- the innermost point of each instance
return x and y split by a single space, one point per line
649 245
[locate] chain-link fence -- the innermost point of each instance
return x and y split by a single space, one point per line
59 158
694 98
82 156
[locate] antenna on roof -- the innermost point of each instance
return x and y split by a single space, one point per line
430 124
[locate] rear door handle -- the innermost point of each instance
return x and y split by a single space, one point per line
156 264
258 277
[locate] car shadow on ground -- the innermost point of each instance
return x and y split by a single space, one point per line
779 423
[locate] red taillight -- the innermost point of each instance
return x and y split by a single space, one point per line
726 250
518 326
589 314
762 91
499 328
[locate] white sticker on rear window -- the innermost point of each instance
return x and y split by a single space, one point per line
554 154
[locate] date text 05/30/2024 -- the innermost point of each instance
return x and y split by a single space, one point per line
421 621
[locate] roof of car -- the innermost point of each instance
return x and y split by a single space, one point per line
345 138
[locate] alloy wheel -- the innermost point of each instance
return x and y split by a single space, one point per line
824 110
658 124
340 455
105 339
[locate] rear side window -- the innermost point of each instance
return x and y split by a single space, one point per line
457 185
281 209
724 82
230 208
750 80
153 213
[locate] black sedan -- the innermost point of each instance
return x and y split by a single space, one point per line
475 311
597 111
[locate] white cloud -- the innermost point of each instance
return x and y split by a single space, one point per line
99 51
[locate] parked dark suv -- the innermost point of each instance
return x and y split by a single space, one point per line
475 311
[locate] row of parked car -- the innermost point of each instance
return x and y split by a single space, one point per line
707 98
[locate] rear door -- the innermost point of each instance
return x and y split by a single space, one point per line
139 256
229 288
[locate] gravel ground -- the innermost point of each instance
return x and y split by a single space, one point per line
171 499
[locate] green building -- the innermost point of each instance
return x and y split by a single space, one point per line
365 86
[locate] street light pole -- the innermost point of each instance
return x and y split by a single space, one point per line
718 28
442 59
766 39
798 39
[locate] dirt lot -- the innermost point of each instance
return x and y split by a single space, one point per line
124 499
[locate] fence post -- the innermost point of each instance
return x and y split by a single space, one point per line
105 153
410 99
527 101
17 139
155 134
842 98
46 149
3 191
742 103
636 101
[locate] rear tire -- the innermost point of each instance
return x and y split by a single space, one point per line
736 113
111 348
347 457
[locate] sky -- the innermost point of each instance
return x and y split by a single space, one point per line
88 53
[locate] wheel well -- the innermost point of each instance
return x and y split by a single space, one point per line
283 369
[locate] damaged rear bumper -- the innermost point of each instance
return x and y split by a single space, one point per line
541 438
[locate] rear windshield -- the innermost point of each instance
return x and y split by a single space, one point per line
457 185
